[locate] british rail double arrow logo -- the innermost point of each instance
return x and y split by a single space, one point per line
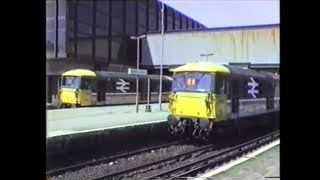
253 86
121 85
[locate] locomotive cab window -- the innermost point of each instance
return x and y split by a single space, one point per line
200 82
77 82
70 82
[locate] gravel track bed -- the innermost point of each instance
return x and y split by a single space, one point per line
110 167
171 165
150 171
124 163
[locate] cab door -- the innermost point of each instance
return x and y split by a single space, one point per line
85 92
101 87
221 98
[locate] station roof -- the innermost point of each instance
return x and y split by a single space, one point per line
220 28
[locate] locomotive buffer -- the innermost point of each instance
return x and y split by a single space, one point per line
141 72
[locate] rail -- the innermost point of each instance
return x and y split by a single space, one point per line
205 163
107 159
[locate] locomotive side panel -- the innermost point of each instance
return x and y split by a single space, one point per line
256 92
122 90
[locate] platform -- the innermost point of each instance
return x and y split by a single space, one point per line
69 121
84 129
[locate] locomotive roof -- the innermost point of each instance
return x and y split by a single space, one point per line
201 67
108 74
79 72
227 69
249 72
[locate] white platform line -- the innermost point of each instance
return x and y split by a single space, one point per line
69 132
238 161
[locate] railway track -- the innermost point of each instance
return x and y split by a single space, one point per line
149 164
202 164
106 160
177 164
203 160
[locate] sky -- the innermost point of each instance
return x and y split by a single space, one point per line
226 13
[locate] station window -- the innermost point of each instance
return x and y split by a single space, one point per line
131 17
152 18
